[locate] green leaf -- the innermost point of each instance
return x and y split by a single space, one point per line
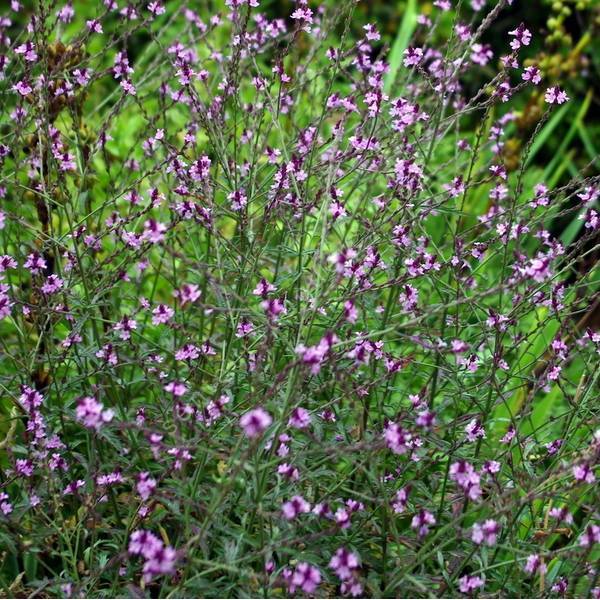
547 131
409 22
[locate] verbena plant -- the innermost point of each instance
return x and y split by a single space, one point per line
278 315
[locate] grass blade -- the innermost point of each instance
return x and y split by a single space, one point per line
409 22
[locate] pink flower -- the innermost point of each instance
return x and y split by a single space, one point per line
300 418
474 430
23 88
159 559
5 506
554 95
154 232
412 57
125 326
306 577
583 472
535 564
255 422
397 439
177 388
144 543
344 563
421 522
146 485
532 74
35 263
400 501
485 533
263 288
468 583
294 507
52 285
522 37
188 293
90 412
590 536
94 25
162 314
238 199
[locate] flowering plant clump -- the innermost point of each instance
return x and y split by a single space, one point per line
284 313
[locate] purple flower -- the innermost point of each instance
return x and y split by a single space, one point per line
590 536
273 307
24 467
73 487
412 57
35 263
560 587
562 514
584 473
421 522
91 413
464 474
144 543
5 506
159 559
400 501
481 54
534 564
160 562
554 95
532 74
146 485
306 577
474 430
238 199
397 439
316 355
294 507
23 88
300 418
162 314
522 37
94 25
52 284
344 563
125 326
263 288
188 293
255 422
469 583
485 533
28 51
177 388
